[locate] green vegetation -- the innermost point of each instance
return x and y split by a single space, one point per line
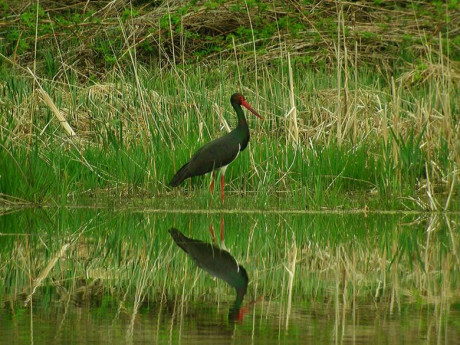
375 123
102 101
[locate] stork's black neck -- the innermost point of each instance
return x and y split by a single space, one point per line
240 113
242 129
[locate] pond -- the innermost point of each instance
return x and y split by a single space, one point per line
108 276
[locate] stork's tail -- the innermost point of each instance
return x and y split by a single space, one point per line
180 239
177 235
180 176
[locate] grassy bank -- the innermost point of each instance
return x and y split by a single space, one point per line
392 143
343 129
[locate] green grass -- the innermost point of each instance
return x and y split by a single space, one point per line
134 135
376 124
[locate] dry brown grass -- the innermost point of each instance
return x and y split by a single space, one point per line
165 33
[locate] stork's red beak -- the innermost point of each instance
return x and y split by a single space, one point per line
248 107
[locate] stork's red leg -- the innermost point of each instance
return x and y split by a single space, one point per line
222 177
213 236
212 182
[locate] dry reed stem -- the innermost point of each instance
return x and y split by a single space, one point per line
292 257
452 188
430 192
240 83
222 119
141 285
46 271
140 91
293 129
47 99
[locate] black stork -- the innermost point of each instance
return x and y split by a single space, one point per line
220 152
219 263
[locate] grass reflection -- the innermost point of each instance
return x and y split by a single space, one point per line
322 266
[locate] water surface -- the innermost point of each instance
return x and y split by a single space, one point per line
117 277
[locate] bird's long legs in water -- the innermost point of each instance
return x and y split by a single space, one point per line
222 178
213 235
